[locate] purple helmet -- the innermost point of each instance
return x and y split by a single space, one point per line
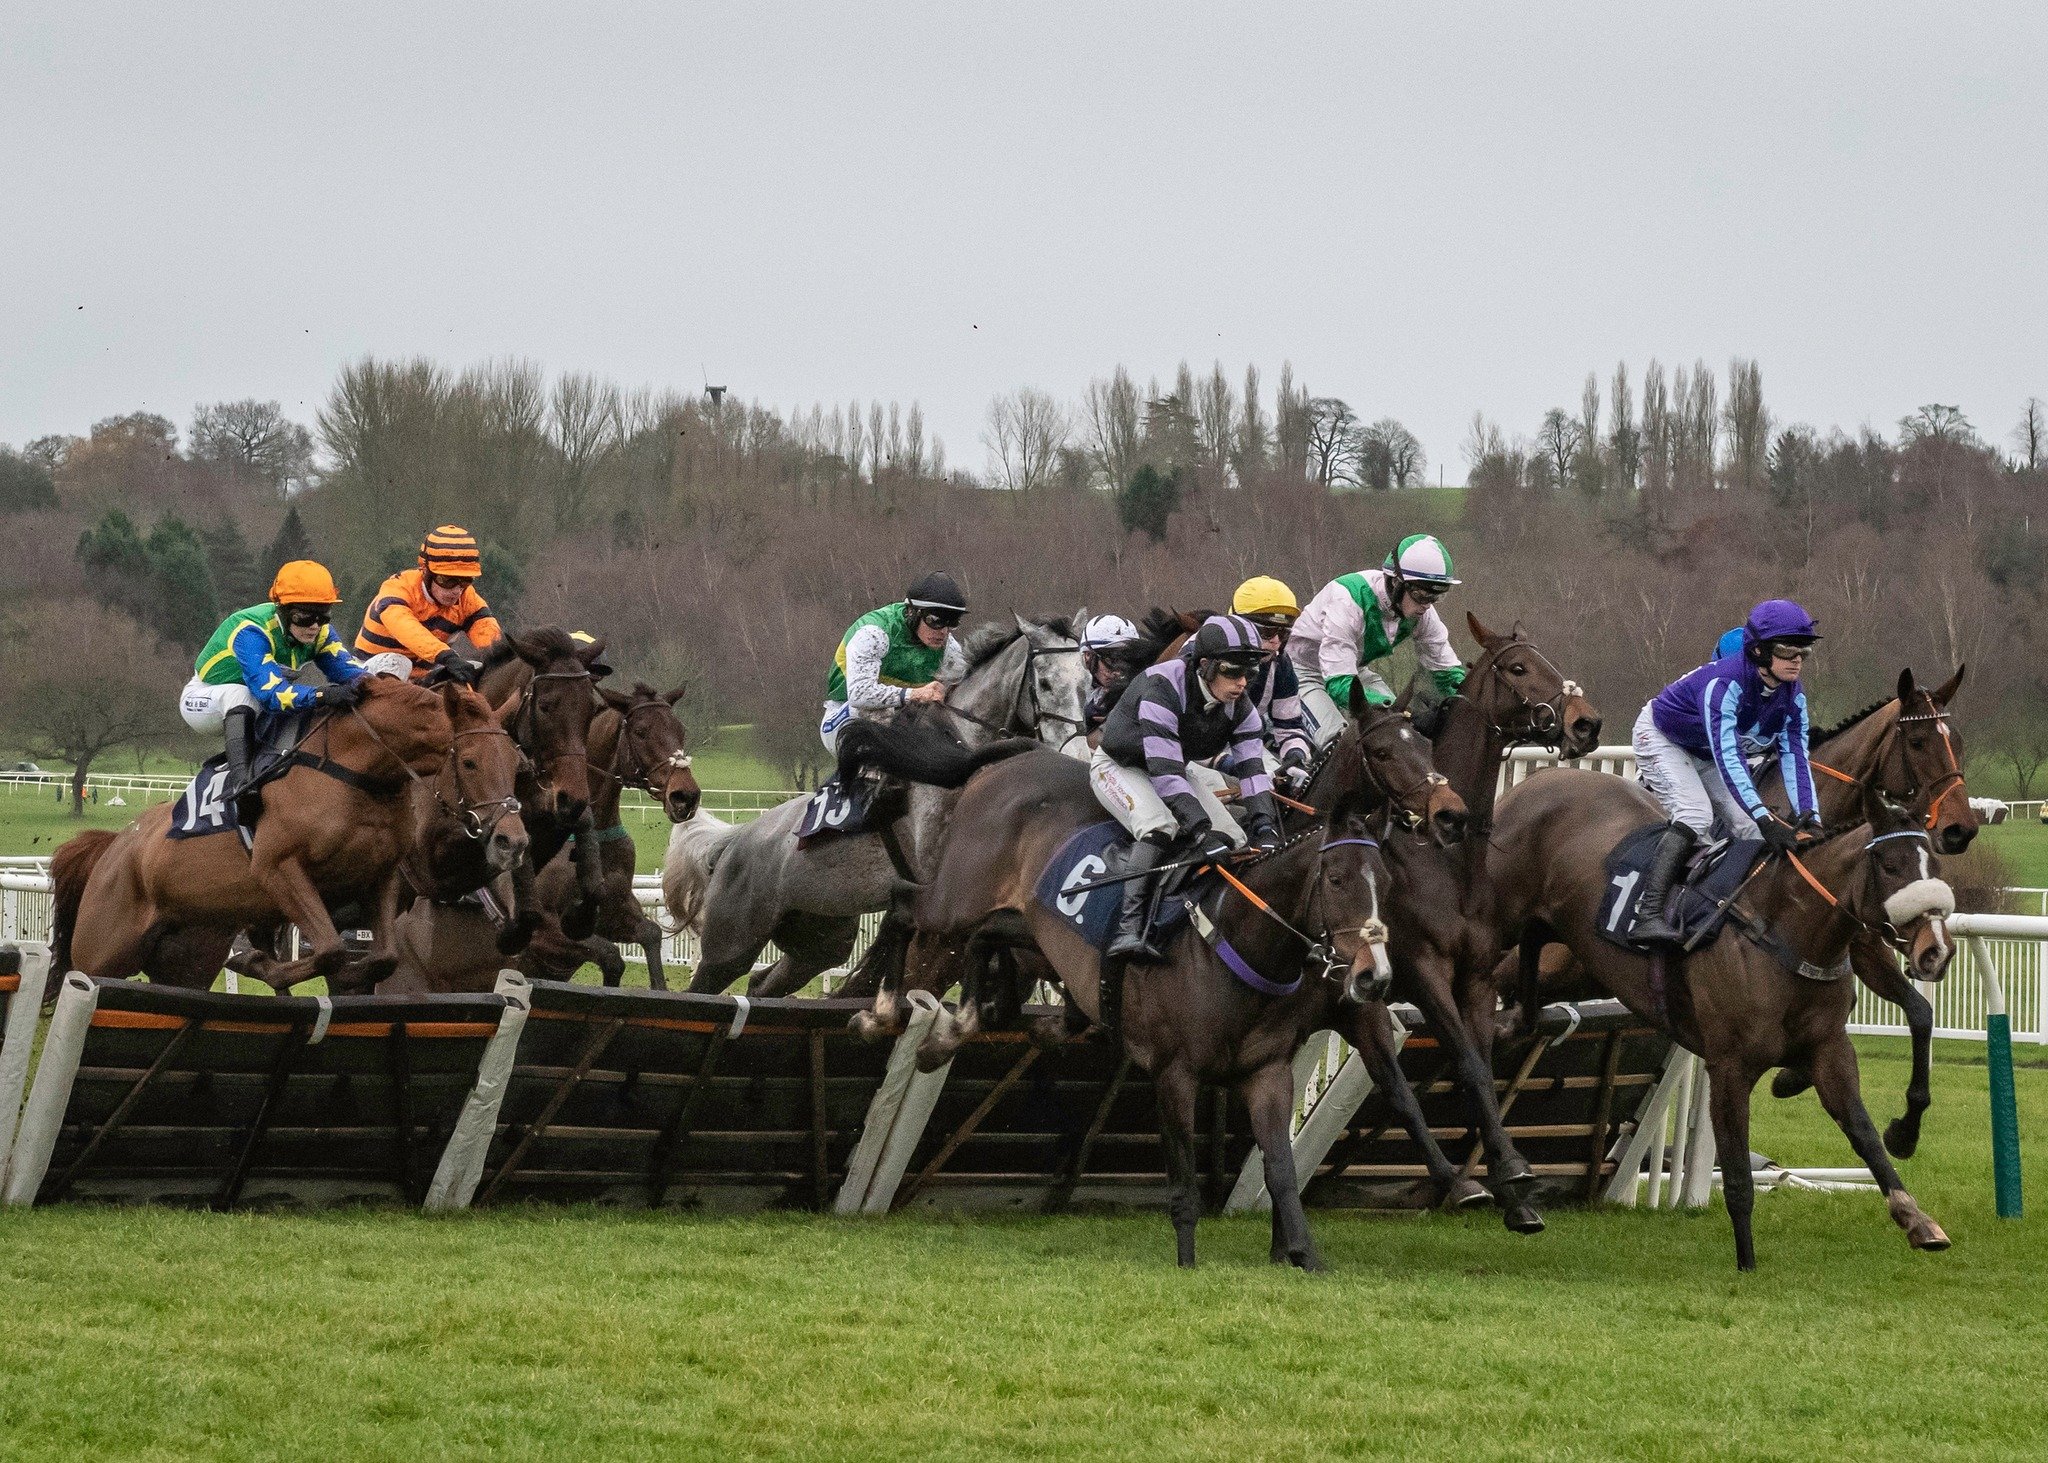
1777 620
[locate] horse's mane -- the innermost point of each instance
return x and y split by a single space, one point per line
1159 629
554 642
1816 735
984 643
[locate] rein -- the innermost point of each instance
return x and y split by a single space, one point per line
465 813
1548 728
1941 787
640 777
1321 952
1017 702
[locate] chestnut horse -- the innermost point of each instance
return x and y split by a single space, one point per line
1735 1002
335 826
1189 1019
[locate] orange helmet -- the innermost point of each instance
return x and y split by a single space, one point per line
303 582
452 553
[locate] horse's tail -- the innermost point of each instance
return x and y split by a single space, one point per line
918 753
70 868
686 869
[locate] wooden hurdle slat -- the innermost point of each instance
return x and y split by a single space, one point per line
968 1127
280 1073
121 1110
1062 1192
669 1141
593 1048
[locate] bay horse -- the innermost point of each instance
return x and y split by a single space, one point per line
334 829
1734 1002
1446 942
1189 1019
744 886
636 741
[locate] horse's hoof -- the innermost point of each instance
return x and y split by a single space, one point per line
1523 1219
1901 1141
1790 1081
1466 1193
1048 1032
374 968
1505 1174
1927 1235
868 1026
1308 1261
931 1059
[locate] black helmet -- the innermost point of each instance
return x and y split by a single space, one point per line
1230 640
937 591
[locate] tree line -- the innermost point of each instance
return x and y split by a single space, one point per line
728 544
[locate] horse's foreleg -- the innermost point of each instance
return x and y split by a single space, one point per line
586 857
649 937
292 889
1372 1033
1876 969
1836 1082
1509 1171
1269 1099
1175 1087
1728 1087
526 915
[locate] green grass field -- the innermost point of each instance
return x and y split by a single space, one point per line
534 1333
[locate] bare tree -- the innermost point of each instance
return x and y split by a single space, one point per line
1291 424
586 422
1026 430
1624 442
1216 426
2031 436
1656 430
1559 441
1749 427
1589 473
1938 423
255 436
1390 456
1332 444
1111 428
78 679
1248 455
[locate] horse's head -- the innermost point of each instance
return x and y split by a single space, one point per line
550 716
652 751
1352 880
1380 760
1029 681
478 778
1525 697
1901 893
1926 769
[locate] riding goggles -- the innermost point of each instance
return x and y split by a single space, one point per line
1784 650
942 619
306 615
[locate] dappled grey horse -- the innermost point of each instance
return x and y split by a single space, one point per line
742 886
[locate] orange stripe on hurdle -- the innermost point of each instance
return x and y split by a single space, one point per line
428 1030
137 1021
10 982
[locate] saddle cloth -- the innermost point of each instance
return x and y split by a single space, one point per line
1096 851
1695 908
835 811
204 807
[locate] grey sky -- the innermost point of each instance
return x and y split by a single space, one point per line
1427 214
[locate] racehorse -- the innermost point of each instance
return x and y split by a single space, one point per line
1229 1012
334 828
1445 943
1768 991
636 741
742 887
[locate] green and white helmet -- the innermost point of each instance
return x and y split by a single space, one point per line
1421 558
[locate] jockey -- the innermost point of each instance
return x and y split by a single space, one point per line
1357 619
248 664
1276 689
416 612
1183 710
1105 644
902 654
1689 745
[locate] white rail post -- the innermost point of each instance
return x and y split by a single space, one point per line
43 1118
24 1012
462 1161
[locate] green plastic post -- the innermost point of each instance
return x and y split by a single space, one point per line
2005 1115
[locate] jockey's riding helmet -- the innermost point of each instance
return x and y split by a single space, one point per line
1421 559
1106 632
1267 603
1777 622
937 591
451 553
303 582
1226 640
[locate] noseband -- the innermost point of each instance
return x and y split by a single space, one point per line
1545 718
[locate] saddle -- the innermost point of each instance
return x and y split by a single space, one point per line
1095 852
1698 906
204 808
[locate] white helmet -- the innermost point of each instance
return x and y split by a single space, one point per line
389 663
1106 632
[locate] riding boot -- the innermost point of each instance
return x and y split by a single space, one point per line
1674 845
1134 914
239 725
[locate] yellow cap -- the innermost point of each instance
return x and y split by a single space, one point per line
1262 595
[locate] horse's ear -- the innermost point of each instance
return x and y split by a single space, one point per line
1023 625
451 700
527 649
1189 620
1479 632
1946 691
1906 689
671 697
617 700
506 710
1359 705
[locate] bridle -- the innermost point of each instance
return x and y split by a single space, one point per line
468 815
1026 683
1320 953
1889 933
525 721
1546 718
1940 788
640 776
1397 799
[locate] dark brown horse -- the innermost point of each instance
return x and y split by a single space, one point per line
1735 1002
334 829
1189 1019
635 742
1446 942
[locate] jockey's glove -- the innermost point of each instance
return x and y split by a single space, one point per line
1809 826
1776 832
1213 844
1264 836
457 668
339 695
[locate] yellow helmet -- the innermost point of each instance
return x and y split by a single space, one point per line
303 582
1265 598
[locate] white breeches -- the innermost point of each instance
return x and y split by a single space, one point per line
205 707
1128 795
1692 789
